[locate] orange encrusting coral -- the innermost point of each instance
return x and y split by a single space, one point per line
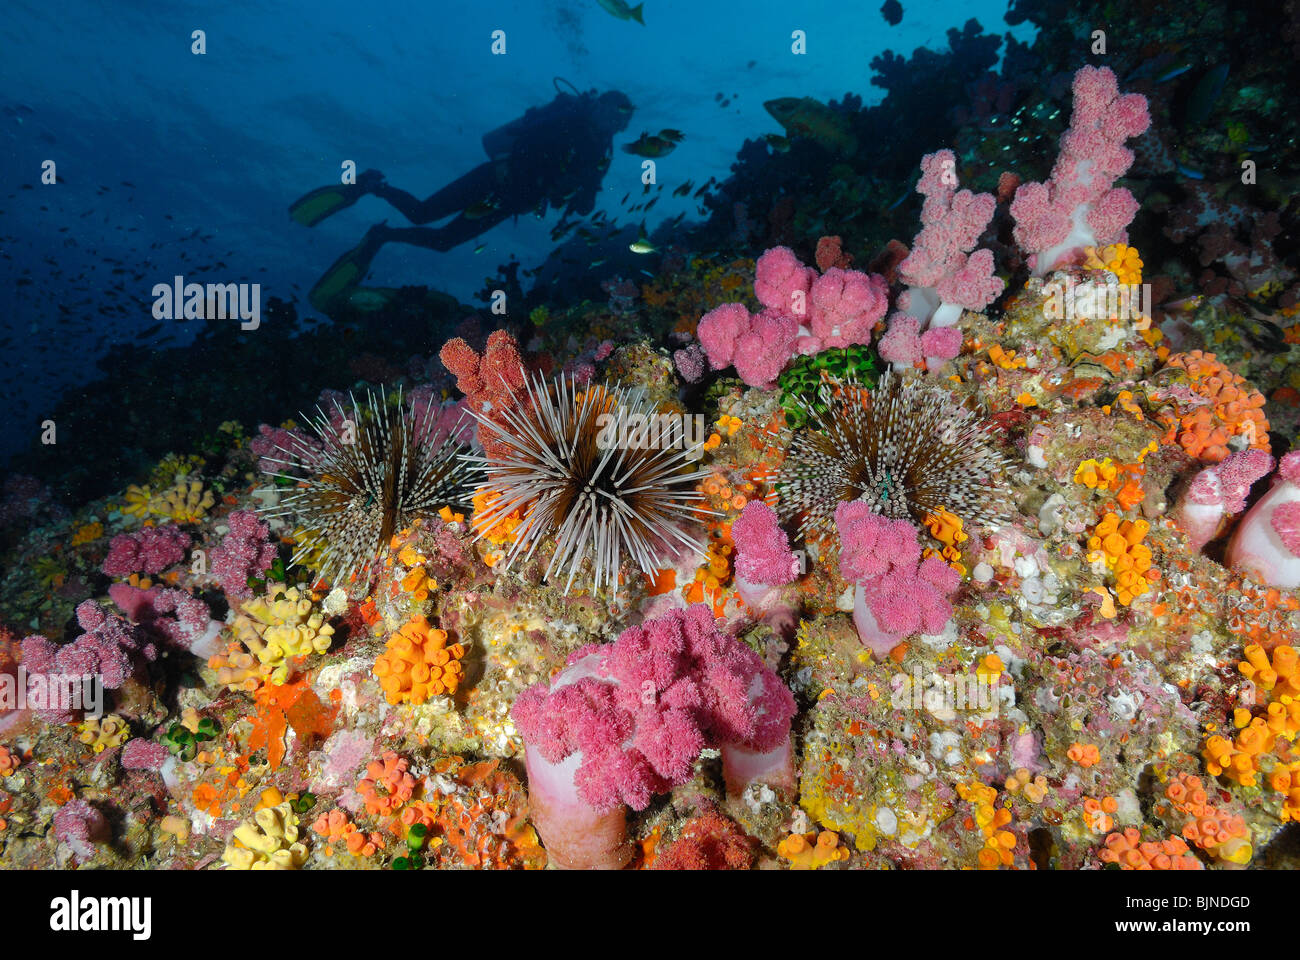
1129 851
1220 834
1235 408
419 663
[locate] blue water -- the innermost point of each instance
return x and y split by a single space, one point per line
216 146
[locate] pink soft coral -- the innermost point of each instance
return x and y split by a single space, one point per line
904 345
845 306
1079 206
782 282
952 221
245 553
763 554
150 550
897 592
1219 492
627 720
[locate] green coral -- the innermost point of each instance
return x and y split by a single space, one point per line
802 378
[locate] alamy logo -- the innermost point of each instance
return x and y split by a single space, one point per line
652 431
944 694
1094 301
52 691
179 300
75 913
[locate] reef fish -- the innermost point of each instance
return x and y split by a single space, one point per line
806 117
1206 92
648 145
620 9
892 11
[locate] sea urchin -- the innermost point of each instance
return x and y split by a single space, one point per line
907 447
367 474
600 496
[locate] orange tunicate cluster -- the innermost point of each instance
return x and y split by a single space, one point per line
9 762
1280 676
1120 544
999 844
387 785
335 827
418 663
1084 754
1213 830
1233 408
1128 850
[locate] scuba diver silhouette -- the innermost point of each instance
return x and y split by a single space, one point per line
553 156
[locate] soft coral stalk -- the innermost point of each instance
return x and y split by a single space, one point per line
627 720
1266 543
1219 492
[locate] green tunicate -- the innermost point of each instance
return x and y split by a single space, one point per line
415 836
801 380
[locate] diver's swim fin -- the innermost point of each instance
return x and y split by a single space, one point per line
311 208
347 271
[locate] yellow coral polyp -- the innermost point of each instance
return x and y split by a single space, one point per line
1006 359
275 629
87 533
503 530
811 851
1119 258
138 500
186 502
1096 474
946 527
103 733
268 842
418 664
1280 675
1238 758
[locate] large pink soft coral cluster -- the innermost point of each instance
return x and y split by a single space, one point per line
493 382
944 261
640 710
1079 206
803 313
245 553
170 616
109 650
758 345
1219 492
150 550
897 592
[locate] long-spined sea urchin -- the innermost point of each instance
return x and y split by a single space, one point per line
598 499
364 477
906 447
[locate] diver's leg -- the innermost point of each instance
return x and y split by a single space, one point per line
445 238
479 184
347 272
